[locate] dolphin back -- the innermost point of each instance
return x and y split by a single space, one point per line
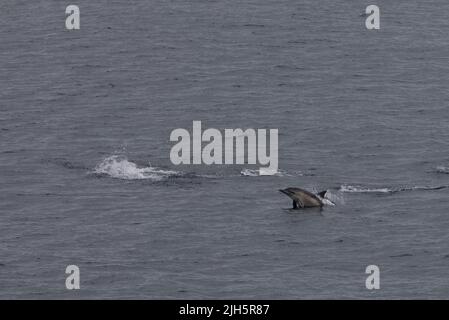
302 198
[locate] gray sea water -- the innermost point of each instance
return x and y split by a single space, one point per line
86 177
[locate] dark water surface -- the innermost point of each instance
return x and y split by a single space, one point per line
86 178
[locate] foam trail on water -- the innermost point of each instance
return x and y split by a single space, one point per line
356 189
120 167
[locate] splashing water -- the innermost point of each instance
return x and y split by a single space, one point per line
332 198
120 168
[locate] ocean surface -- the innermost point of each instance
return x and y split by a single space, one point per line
86 176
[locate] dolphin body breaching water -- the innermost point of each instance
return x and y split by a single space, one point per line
305 199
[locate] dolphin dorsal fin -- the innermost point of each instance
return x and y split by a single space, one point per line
322 193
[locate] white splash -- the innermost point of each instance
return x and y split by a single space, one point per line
331 198
119 167
327 202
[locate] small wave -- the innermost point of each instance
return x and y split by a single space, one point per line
66 163
120 167
402 255
357 189
249 173
256 173
443 169
424 188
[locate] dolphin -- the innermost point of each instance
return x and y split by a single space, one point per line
305 199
